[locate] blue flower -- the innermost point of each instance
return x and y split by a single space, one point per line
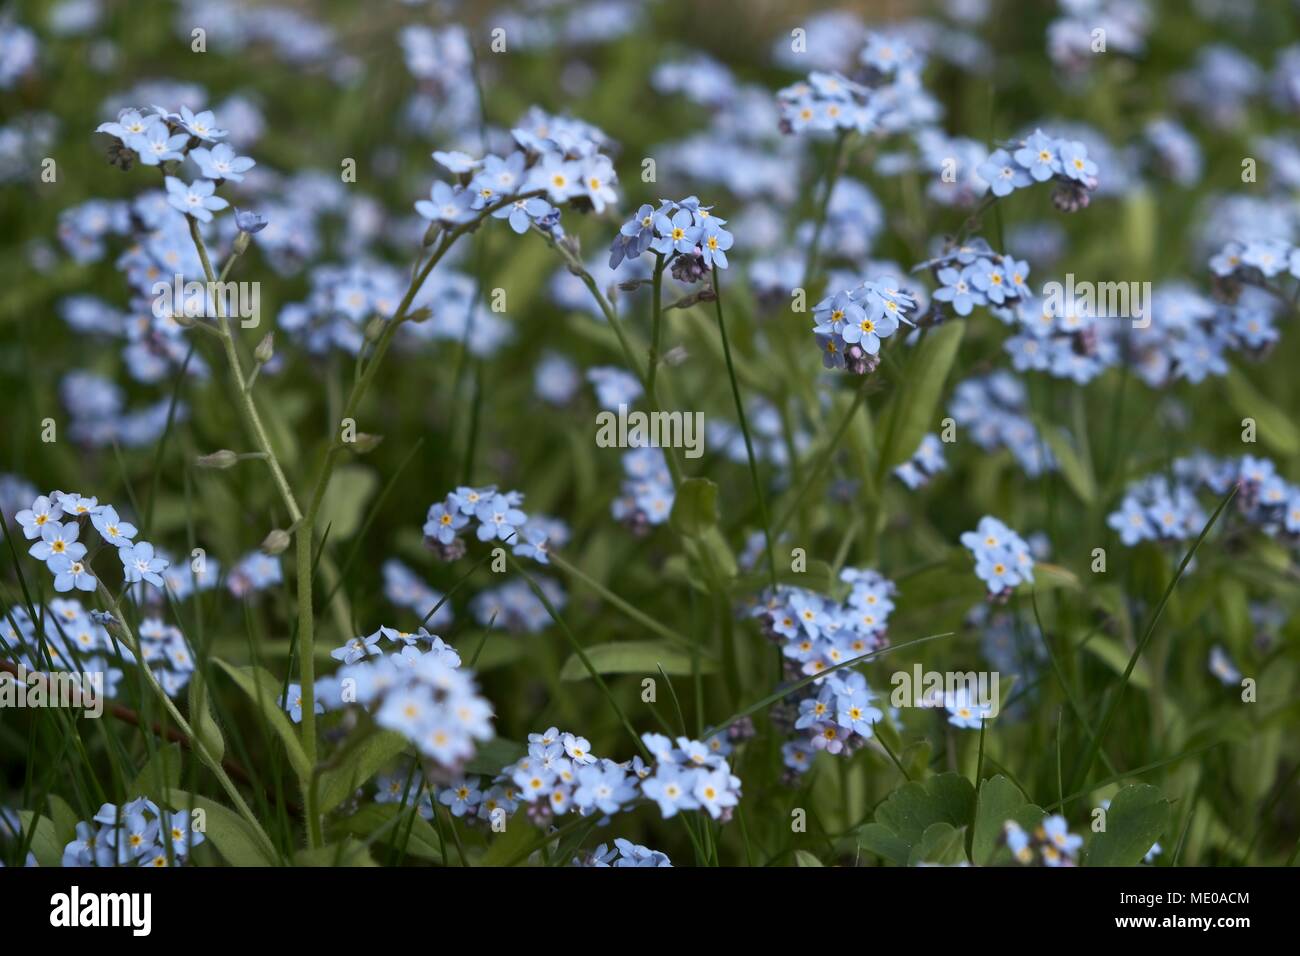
714 243
1059 839
157 144
462 797
250 222
358 649
988 277
447 204
221 162
195 199
69 573
640 229
33 519
203 125
523 212
603 786
112 528
534 546
444 520
1075 162
676 234
671 788
292 703
868 332
455 162
1039 156
58 539
958 289
140 564
498 518
1002 174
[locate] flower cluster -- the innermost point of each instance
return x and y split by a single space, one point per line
135 834
993 407
494 516
1164 508
67 638
1002 558
1050 844
1038 158
623 853
973 274
886 97
54 522
926 462
1256 260
851 324
96 406
404 588
514 607
816 633
1072 38
419 692
686 236
646 496
558 157
561 775
166 653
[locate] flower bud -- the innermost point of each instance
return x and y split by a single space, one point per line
276 542
365 443
265 349
218 459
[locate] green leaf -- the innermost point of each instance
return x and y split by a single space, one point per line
804 858
940 843
264 691
359 764
1276 428
44 844
65 819
344 504
1076 474
381 818
1137 816
201 719
161 772
903 818
1000 800
1116 658
1048 576
915 405
883 842
504 847
226 830
348 852
493 755
635 657
695 507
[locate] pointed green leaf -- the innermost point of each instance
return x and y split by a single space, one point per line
264 691
914 409
695 507
635 657
1137 816
226 830
359 764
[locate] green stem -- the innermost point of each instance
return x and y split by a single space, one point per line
832 174
197 744
577 268
656 320
744 428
